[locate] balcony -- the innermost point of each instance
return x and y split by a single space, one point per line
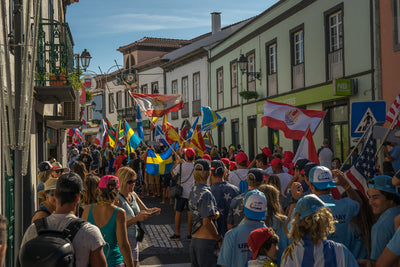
196 105
128 114
185 110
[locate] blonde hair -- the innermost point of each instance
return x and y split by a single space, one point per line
274 208
274 180
44 176
214 153
90 185
79 168
125 174
318 225
201 176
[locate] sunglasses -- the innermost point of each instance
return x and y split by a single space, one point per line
59 171
52 193
131 182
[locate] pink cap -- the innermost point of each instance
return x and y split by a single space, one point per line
104 181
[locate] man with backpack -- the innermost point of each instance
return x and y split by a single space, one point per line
47 242
238 177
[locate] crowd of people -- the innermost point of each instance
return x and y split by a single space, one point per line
267 212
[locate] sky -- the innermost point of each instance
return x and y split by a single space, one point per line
102 26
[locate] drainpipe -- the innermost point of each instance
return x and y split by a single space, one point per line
378 50
371 25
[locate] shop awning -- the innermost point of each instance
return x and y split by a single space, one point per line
54 94
58 122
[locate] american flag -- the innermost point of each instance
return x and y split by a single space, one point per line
364 168
392 112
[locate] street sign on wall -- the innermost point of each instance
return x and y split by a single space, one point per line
364 114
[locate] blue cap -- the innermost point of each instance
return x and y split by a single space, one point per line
321 177
383 183
309 204
255 205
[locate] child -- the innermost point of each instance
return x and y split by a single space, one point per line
263 242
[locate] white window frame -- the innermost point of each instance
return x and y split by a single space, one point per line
298 46
335 31
174 87
272 55
196 86
185 89
234 75
251 66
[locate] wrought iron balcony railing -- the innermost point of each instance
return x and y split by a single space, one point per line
128 113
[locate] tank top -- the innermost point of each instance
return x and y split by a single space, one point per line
131 210
109 232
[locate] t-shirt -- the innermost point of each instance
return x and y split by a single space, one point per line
87 239
394 243
187 178
87 159
223 192
202 204
235 214
395 153
382 231
357 245
325 155
344 210
234 250
326 253
285 179
269 170
236 176
279 228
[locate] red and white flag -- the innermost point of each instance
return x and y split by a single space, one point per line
392 112
291 120
98 139
158 105
306 149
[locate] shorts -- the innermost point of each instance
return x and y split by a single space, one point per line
154 179
181 204
203 252
166 180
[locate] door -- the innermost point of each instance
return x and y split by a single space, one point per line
252 134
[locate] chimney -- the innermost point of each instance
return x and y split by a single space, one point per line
215 22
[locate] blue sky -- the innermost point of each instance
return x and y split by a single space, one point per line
102 26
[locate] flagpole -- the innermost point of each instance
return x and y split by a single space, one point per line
387 132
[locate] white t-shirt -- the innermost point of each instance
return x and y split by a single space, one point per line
187 178
325 157
285 178
269 170
236 176
87 239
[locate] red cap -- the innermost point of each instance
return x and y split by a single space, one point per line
257 238
190 152
286 162
288 154
226 162
241 158
207 157
276 162
232 165
266 151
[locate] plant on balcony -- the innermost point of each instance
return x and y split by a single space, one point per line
249 94
74 79
89 96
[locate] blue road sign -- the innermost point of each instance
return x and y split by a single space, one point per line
363 114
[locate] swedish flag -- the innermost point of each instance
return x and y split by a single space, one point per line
157 164
211 119
132 139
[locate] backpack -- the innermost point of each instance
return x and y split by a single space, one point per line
243 185
51 247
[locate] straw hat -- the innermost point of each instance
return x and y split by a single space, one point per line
48 185
57 166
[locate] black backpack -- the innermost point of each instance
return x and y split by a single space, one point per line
51 247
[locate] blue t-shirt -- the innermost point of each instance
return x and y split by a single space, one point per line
235 214
234 250
357 246
395 154
382 231
394 243
223 192
202 204
279 228
344 210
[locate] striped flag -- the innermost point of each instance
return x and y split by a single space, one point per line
211 119
306 149
393 111
154 105
190 133
139 124
160 163
111 134
132 139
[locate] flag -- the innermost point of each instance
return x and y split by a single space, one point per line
291 120
139 124
393 110
120 136
184 131
190 133
48 136
111 134
208 141
131 138
211 119
104 138
159 136
170 132
306 149
198 141
154 105
364 168
98 139
157 164
153 122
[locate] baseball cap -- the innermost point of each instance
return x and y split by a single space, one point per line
203 164
255 174
232 165
383 183
321 177
300 163
226 162
288 154
104 181
207 157
257 238
255 205
190 153
309 204
266 151
307 168
241 158
44 166
276 162
217 167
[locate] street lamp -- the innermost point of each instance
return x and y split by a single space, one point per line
85 59
242 61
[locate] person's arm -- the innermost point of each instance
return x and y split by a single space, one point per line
387 258
39 215
387 154
97 258
341 180
143 207
251 164
122 238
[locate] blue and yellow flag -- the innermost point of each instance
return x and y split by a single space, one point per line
211 119
131 138
157 164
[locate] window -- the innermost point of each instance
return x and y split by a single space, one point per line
220 88
174 87
234 83
154 88
251 68
298 47
334 39
143 89
272 68
297 55
396 24
119 99
235 132
185 89
128 99
196 86
90 112
111 103
335 31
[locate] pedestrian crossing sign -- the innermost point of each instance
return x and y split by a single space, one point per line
365 114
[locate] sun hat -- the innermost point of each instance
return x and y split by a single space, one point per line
57 166
321 177
255 205
255 174
106 179
383 183
257 238
241 158
217 167
44 166
309 204
203 164
190 153
50 184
